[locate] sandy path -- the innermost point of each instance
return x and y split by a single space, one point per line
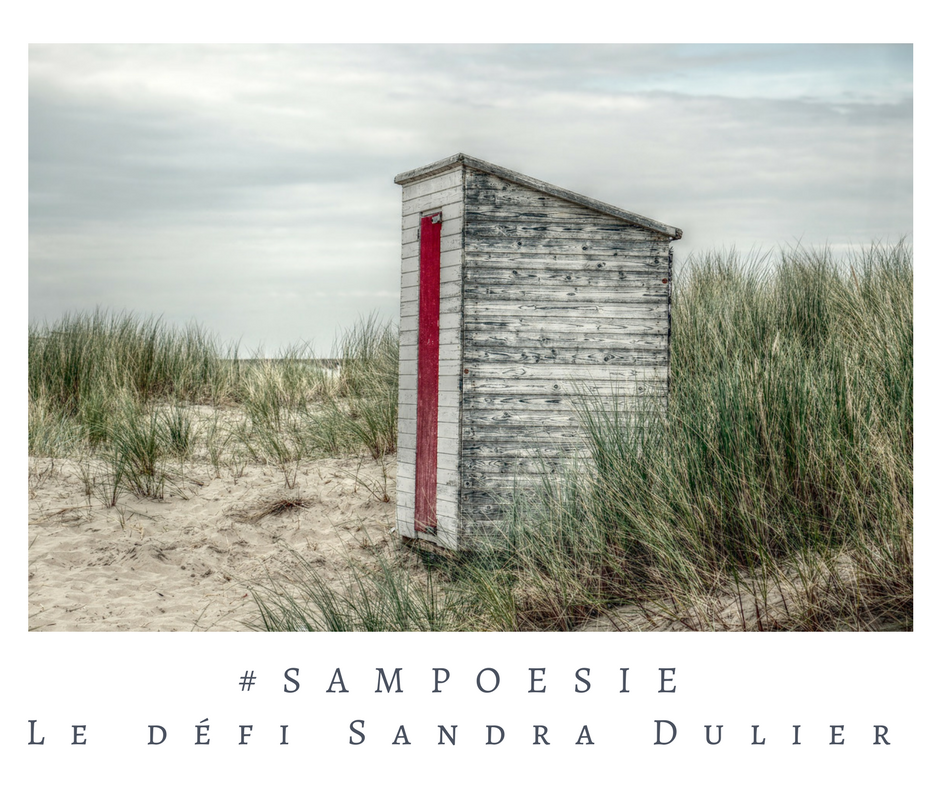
185 563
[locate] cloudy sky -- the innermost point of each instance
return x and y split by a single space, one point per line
250 188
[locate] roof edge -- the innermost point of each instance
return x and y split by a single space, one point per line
429 170
461 159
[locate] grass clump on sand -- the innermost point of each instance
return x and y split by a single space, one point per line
128 396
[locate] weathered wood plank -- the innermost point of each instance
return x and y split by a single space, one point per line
508 430
535 211
557 402
585 261
478 328
506 442
478 200
478 419
549 311
542 341
487 190
560 372
563 356
516 467
499 191
638 293
546 245
526 493
582 281
557 228
502 484
620 387
566 416
486 521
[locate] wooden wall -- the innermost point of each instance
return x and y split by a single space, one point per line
558 299
441 192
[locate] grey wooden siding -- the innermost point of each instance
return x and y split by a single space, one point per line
561 302
441 192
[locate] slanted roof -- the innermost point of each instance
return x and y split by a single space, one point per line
462 159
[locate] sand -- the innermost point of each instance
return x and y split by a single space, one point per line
188 562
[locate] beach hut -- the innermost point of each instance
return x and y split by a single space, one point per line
519 299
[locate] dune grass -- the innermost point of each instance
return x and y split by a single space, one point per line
775 493
788 441
118 392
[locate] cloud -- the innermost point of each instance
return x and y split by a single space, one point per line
239 185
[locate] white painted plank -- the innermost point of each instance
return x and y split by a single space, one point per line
445 398
451 320
445 475
435 201
448 244
450 258
408 324
451 212
446 180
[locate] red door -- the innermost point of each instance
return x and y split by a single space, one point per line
429 333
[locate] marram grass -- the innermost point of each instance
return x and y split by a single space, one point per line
788 439
117 392
776 492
